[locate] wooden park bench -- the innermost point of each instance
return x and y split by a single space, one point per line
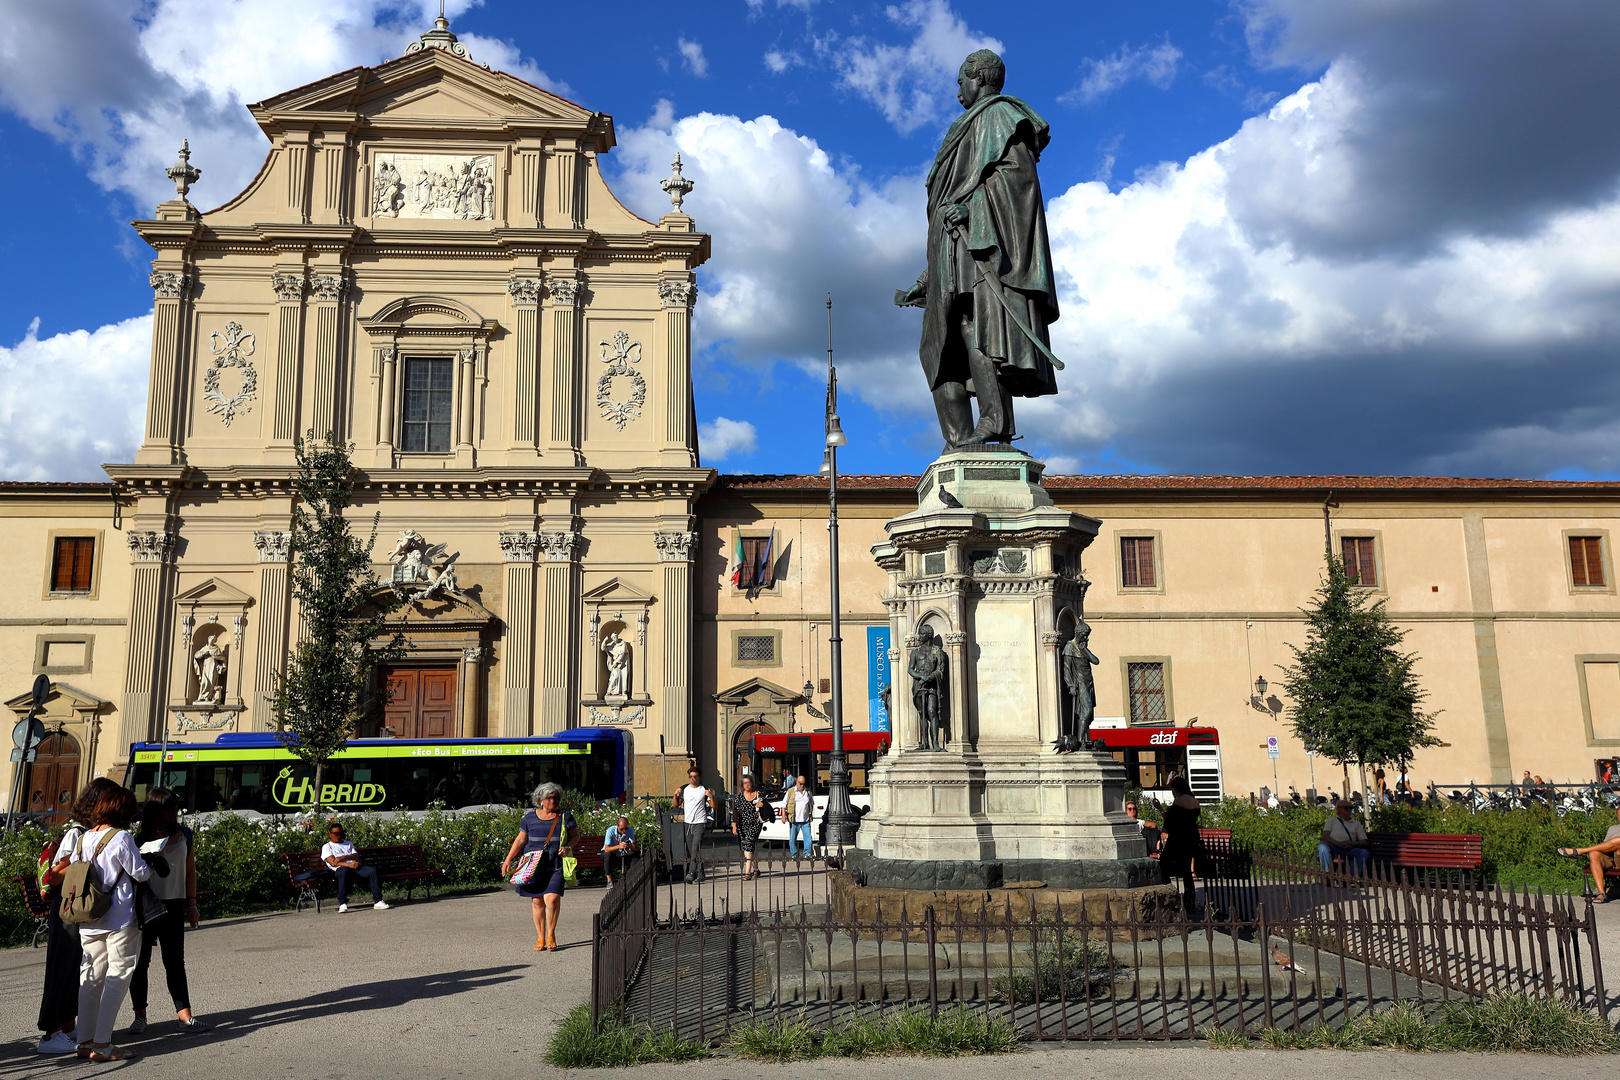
1443 851
588 850
309 873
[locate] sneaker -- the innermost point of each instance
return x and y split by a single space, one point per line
342 908
60 1043
381 905
137 1025
193 1026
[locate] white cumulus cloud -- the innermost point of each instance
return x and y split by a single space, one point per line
915 83
722 438
692 56
73 401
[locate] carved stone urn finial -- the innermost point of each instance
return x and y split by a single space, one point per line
677 187
441 38
182 172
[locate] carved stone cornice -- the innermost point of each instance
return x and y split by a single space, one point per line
169 284
561 546
289 287
674 546
149 546
519 547
524 290
273 545
678 294
328 288
564 292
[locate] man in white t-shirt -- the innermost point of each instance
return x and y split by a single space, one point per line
1345 837
696 802
798 810
340 855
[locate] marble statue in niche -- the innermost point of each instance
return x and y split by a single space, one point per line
618 665
209 664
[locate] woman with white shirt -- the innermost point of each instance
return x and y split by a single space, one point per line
112 943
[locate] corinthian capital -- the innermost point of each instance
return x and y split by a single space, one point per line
561 546
674 546
564 292
677 294
327 287
169 284
149 546
524 290
519 547
289 287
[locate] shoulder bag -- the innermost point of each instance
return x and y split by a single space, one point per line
85 898
530 862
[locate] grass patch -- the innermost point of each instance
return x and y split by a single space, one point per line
908 1032
1219 1038
612 1043
1507 1023
1079 968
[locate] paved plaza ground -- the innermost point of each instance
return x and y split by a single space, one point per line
452 988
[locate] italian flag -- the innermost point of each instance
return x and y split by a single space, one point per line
738 563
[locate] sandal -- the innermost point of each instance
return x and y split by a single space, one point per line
551 944
1570 853
539 945
113 1053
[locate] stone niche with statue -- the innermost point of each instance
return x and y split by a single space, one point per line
991 780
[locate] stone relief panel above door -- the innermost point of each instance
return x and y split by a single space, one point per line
453 187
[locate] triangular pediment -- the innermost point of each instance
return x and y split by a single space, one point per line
214 591
78 700
430 85
757 688
615 591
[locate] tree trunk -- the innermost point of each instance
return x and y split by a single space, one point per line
315 802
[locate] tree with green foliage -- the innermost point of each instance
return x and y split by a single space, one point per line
1354 695
330 684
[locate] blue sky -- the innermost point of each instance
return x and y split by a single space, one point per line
1291 236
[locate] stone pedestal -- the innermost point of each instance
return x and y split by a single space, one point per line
993 568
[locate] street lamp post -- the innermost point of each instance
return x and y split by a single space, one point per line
840 816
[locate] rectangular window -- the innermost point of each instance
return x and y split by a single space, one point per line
1147 693
1585 560
71 564
756 649
1136 562
428 405
759 559
1359 563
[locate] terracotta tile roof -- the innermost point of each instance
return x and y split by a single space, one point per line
743 482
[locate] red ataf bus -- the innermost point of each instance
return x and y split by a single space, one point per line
1152 755
772 757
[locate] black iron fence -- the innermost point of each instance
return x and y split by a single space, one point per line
1274 943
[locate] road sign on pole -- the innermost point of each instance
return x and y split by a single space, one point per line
1271 747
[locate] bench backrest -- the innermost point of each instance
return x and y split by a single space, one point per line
1459 851
400 858
1216 840
588 850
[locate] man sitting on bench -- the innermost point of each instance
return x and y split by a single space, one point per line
340 855
1344 837
1600 857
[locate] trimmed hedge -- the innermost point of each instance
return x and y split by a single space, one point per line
240 859
1519 846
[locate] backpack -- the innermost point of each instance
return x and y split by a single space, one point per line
85 898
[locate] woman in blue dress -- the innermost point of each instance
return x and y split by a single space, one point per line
547 831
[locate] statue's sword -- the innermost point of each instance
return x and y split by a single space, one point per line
988 276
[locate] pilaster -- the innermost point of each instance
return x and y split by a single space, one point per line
387 404
472 684
170 289
559 631
152 552
675 552
270 644
563 446
517 652
327 290
525 306
677 298
289 288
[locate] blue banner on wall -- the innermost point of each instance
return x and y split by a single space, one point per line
877 676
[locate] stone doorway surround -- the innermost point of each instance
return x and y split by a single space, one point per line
454 630
754 702
74 713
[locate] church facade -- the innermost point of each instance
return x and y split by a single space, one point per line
430 265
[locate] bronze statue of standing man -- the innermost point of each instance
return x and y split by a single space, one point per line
988 293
